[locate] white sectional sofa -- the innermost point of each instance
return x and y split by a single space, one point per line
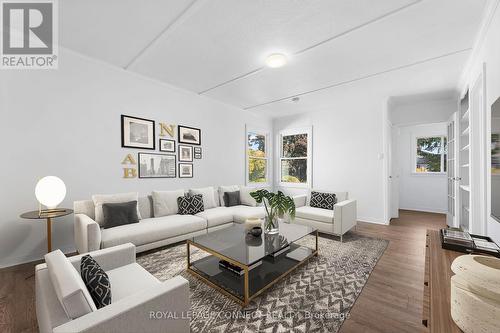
336 222
154 231
64 305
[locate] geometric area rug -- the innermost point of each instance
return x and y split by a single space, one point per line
316 297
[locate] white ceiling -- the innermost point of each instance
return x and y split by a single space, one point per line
217 47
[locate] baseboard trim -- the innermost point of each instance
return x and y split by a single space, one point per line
424 210
372 220
21 260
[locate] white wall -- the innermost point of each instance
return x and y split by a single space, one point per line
487 51
347 141
66 122
421 192
422 112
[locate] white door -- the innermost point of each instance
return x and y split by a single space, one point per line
451 169
394 173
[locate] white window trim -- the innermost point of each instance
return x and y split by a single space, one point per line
265 132
293 131
414 155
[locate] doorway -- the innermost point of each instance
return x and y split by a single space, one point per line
416 150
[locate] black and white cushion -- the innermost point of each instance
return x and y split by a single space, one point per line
190 205
96 280
323 200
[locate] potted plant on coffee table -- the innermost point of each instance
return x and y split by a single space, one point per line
276 205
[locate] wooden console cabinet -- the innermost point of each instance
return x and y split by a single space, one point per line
436 307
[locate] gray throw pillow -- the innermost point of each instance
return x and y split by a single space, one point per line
116 214
232 199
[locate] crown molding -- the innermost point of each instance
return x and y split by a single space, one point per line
478 45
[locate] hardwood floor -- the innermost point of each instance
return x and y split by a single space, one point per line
17 299
391 301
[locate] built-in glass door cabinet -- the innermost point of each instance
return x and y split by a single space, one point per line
464 162
451 153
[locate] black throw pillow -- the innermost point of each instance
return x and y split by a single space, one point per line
96 280
323 200
122 213
190 205
232 199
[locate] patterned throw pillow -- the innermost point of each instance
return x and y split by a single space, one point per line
190 205
96 280
323 200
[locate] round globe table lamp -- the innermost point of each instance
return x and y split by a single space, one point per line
50 191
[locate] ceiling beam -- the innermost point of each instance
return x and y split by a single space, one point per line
177 21
327 40
359 78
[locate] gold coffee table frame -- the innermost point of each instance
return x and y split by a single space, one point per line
246 297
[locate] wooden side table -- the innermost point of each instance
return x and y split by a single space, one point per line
35 215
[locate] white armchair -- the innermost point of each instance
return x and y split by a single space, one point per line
137 298
337 222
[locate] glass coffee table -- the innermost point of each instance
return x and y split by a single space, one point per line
242 266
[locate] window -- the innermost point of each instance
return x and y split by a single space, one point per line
431 154
295 152
257 157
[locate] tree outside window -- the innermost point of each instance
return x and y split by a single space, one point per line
294 156
431 154
257 157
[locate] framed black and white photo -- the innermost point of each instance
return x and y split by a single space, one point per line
138 133
185 153
167 145
157 165
189 135
185 170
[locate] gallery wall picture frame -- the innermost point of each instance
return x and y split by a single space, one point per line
138 132
197 153
154 165
185 170
167 145
189 135
185 153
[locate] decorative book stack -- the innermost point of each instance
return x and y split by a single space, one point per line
456 237
236 269
462 241
486 245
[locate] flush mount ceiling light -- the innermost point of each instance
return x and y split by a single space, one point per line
276 60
